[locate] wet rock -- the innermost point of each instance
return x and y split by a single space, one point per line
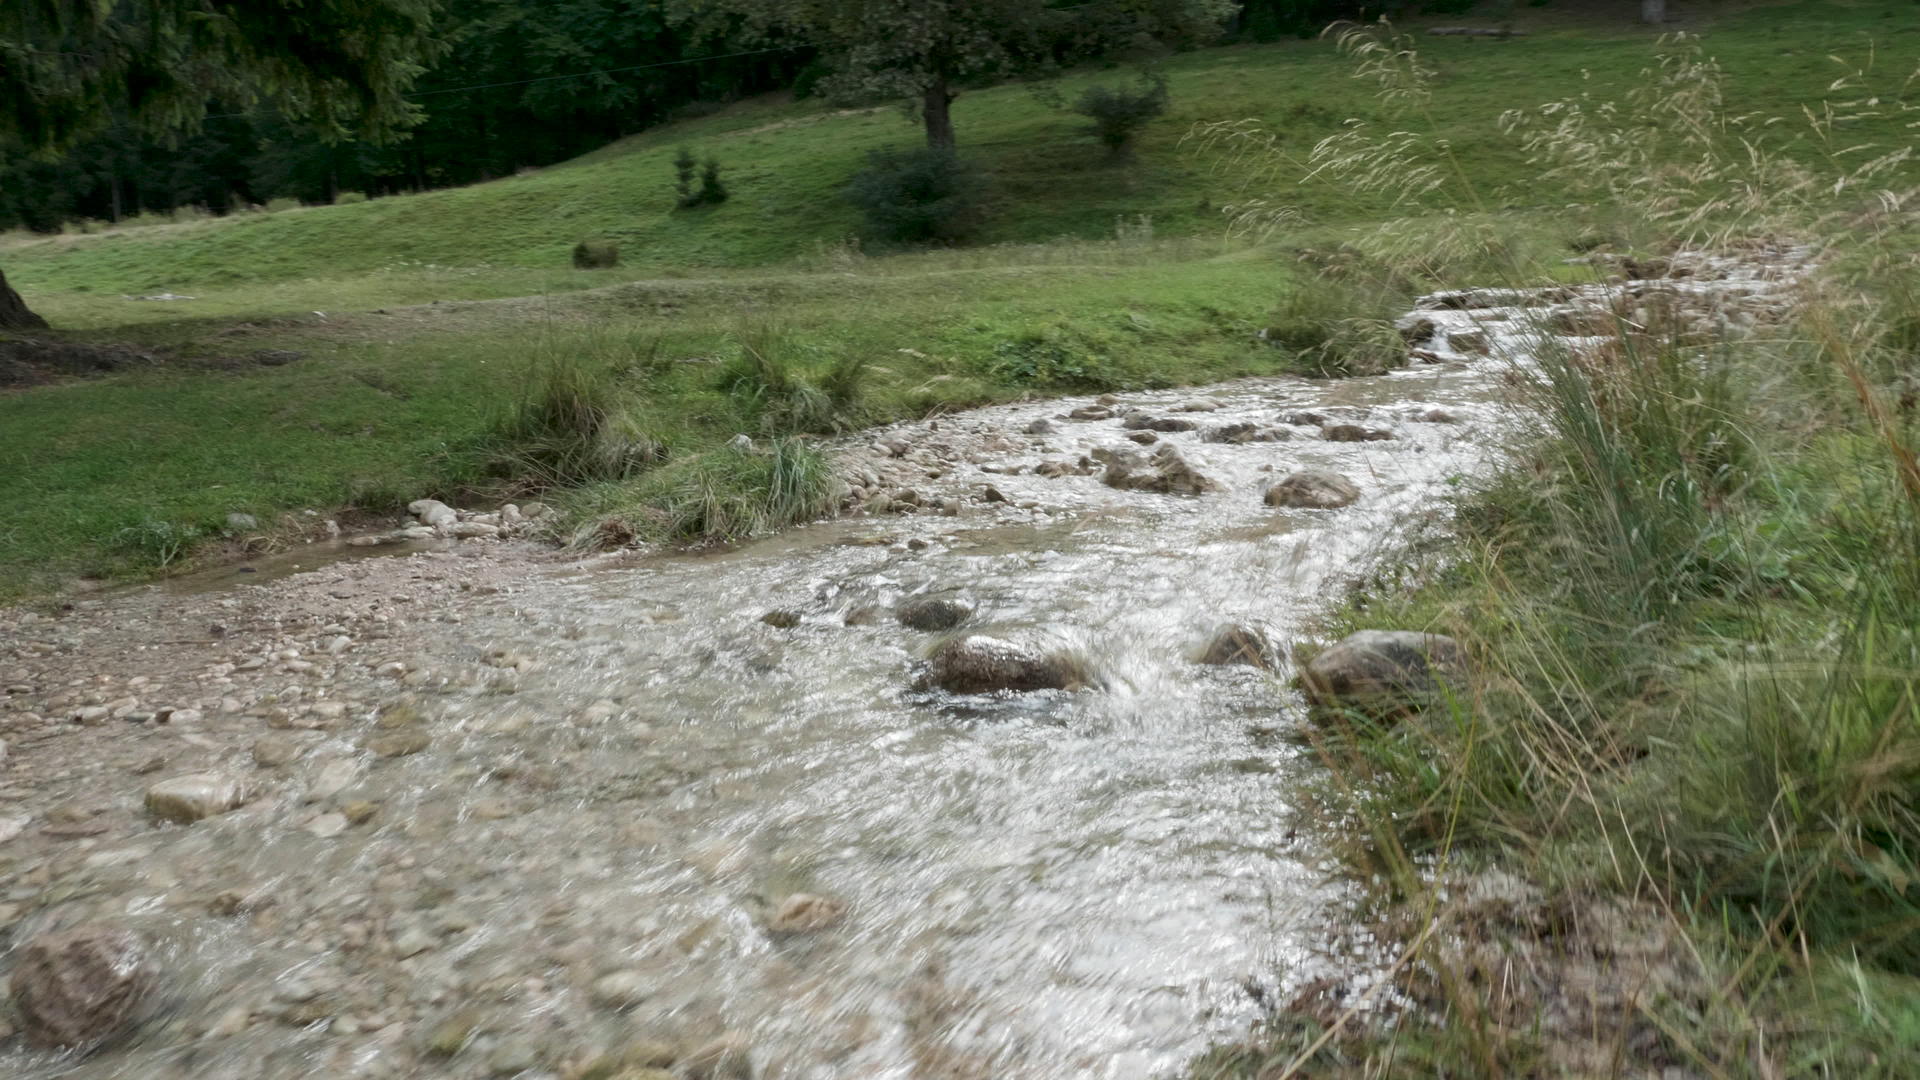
1416 329
432 512
1200 405
622 989
932 614
1091 412
1165 471
1313 489
1237 645
473 530
1439 416
190 798
514 1055
977 664
273 751
781 619
77 988
399 743
728 1057
450 1036
1042 426
333 778
1145 422
1470 341
805 913
1144 438
360 811
327 826
1383 672
1354 433
11 827
865 615
1304 419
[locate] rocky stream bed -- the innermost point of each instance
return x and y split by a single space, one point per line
986 778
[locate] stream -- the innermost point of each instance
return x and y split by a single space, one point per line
507 813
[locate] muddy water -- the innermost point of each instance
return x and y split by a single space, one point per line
620 777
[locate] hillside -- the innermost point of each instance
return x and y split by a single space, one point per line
788 162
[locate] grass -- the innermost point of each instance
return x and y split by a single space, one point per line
1691 601
504 399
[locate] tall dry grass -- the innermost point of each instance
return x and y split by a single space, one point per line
1693 598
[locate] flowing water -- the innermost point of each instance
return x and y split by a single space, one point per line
620 777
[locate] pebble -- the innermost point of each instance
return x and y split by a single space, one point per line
399 743
622 989
327 826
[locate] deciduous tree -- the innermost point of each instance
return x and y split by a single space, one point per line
923 51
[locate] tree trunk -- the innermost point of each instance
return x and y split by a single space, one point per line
1653 11
13 310
936 108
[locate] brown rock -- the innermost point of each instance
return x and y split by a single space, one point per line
77 988
976 664
1354 433
804 913
1238 645
1383 672
1313 489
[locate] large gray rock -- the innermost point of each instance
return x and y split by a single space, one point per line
187 799
1313 489
77 988
1141 421
1384 672
977 664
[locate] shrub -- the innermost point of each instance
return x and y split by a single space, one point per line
1119 113
921 196
694 184
346 198
596 255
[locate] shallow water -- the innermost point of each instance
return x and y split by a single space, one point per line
628 771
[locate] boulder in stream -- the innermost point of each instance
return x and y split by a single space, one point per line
1313 489
1234 644
933 613
1383 672
77 988
977 664
1163 471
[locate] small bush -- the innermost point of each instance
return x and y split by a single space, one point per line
921 196
696 185
284 202
724 494
596 255
158 543
1119 113
347 198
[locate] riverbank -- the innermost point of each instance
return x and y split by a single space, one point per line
1689 733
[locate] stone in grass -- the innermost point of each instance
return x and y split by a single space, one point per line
1313 489
1383 673
74 989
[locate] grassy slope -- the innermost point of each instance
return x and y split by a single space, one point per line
788 162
